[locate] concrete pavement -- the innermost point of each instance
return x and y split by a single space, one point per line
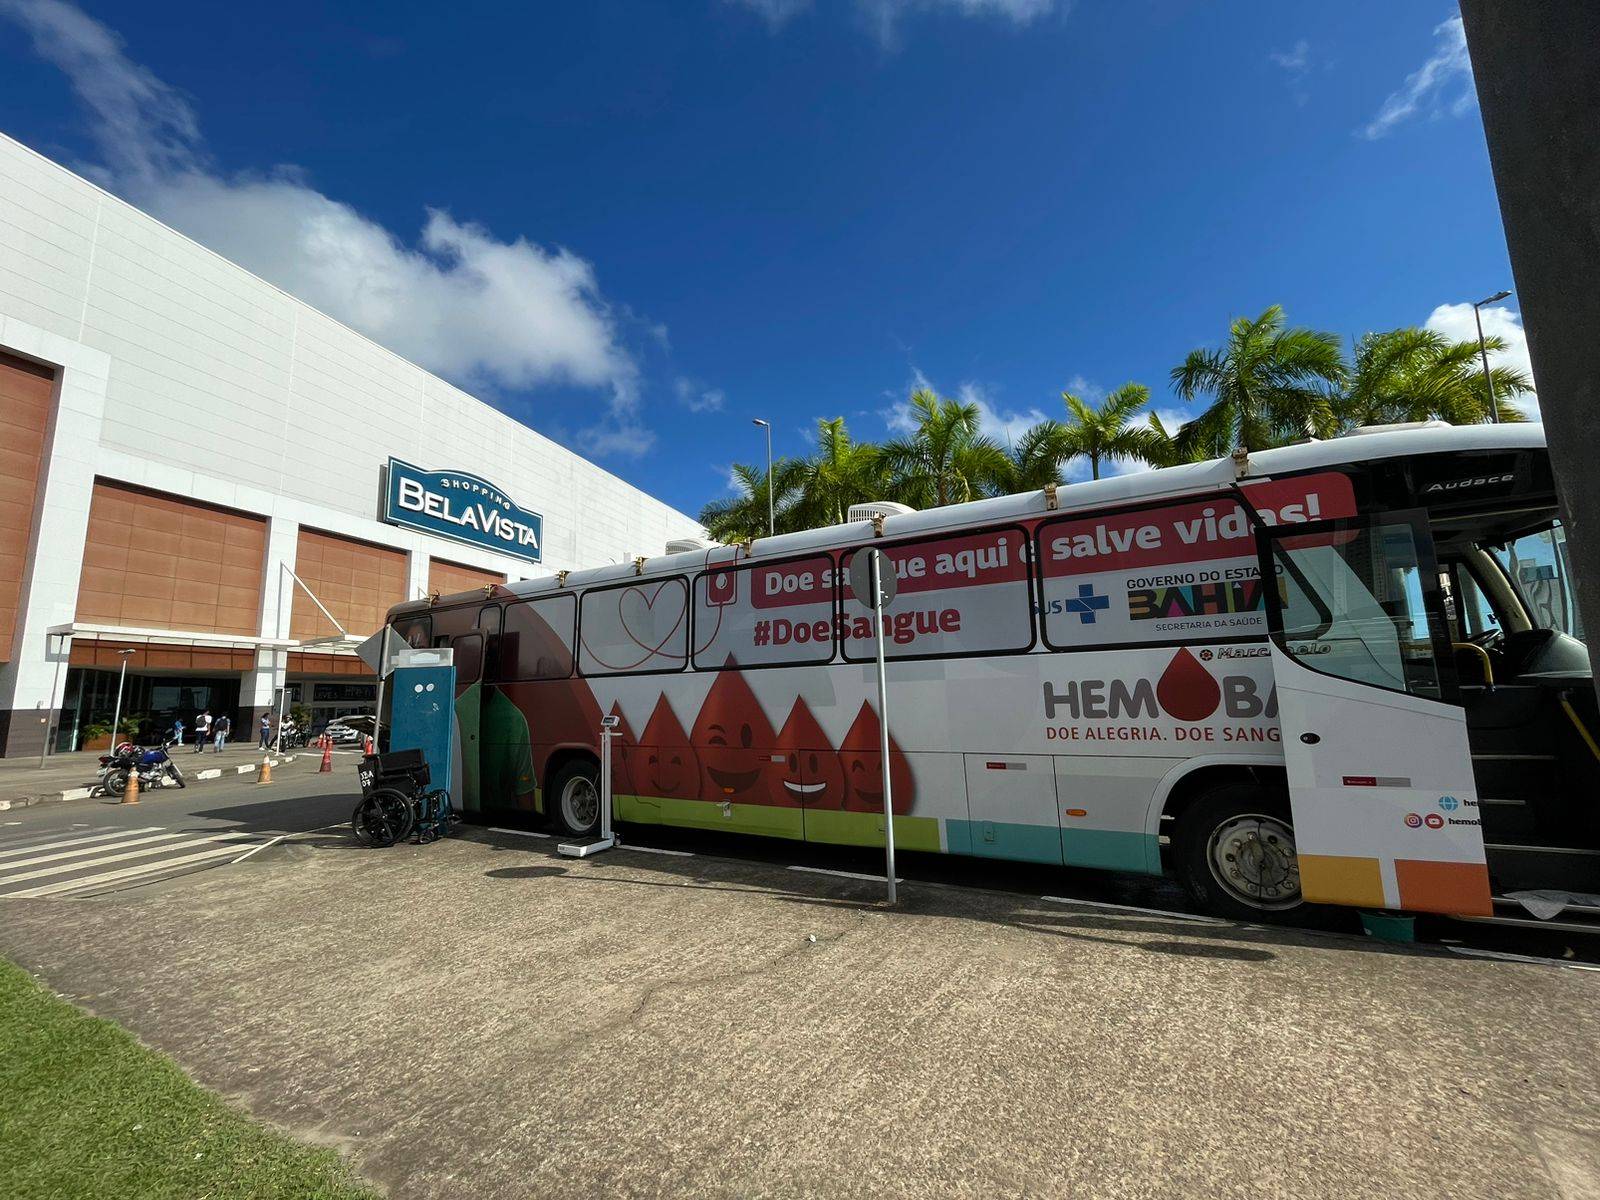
480 1018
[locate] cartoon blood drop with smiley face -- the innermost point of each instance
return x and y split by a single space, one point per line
669 766
734 741
862 760
810 774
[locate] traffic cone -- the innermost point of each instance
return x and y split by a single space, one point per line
130 794
266 770
327 758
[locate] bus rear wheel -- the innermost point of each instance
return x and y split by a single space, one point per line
1235 852
576 789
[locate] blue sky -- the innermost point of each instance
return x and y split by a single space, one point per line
637 226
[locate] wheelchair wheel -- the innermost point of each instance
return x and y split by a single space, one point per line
383 818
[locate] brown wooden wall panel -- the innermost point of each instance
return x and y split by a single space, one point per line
448 578
157 657
357 581
167 562
27 397
301 663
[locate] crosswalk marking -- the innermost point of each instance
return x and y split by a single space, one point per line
85 861
66 868
98 881
56 855
41 840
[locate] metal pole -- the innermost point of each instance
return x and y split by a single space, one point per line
772 521
55 690
116 713
283 693
605 783
1488 380
883 722
383 674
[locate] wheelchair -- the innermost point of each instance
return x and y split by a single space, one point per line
396 801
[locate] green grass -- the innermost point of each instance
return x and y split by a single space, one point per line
87 1111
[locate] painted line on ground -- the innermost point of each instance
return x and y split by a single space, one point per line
1132 908
1501 956
517 832
77 841
658 850
65 868
95 881
33 841
57 854
846 874
258 849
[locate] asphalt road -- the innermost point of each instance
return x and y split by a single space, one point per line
481 1018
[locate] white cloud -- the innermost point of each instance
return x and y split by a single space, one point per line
698 399
1295 61
776 13
1456 323
1296 65
483 311
1005 426
1442 84
1086 390
883 16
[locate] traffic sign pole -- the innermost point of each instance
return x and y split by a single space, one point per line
883 723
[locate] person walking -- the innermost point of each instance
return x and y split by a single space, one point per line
202 730
266 732
224 728
177 732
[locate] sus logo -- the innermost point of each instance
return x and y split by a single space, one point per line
811 773
734 741
670 767
863 767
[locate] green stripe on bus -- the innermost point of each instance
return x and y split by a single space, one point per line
866 829
763 819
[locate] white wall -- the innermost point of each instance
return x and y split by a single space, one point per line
220 385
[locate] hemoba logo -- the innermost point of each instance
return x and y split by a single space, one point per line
1186 691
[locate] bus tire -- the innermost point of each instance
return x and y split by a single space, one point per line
575 799
1235 853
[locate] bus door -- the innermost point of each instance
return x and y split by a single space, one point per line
1374 739
468 654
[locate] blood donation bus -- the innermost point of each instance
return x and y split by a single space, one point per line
1341 672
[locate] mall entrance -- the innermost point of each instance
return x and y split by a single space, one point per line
152 702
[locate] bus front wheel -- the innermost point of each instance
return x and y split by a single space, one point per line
1235 853
576 789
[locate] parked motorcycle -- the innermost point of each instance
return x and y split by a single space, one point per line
154 764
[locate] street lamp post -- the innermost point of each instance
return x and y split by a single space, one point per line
1483 353
116 719
772 524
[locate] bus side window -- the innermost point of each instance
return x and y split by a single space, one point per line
468 657
536 642
414 631
489 626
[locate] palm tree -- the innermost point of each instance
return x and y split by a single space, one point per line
1104 432
1268 385
743 516
1417 374
1038 457
945 460
842 472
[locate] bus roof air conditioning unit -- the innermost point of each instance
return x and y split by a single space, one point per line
878 508
684 545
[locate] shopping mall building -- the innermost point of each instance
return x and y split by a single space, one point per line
204 477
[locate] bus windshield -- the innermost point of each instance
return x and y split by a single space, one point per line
1541 572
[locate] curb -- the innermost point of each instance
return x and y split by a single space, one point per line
86 793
